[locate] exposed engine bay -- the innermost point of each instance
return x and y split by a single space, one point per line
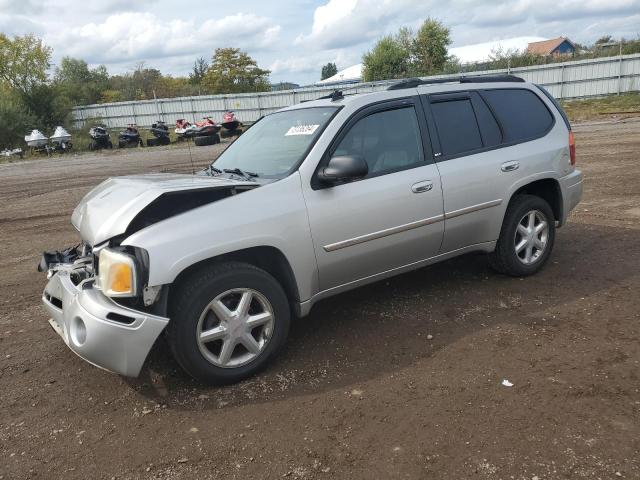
171 204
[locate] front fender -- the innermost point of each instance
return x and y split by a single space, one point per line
273 215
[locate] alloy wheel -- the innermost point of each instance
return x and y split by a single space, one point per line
235 327
531 237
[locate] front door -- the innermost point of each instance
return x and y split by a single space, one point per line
391 218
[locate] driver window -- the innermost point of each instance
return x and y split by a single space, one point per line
388 141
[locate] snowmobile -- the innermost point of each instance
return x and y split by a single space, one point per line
36 139
206 132
130 137
7 152
99 138
229 121
61 140
161 133
184 129
37 142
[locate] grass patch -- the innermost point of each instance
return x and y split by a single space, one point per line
626 104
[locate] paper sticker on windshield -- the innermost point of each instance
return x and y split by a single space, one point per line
301 130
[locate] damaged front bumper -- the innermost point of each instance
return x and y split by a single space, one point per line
96 328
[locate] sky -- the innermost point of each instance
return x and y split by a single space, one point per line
291 38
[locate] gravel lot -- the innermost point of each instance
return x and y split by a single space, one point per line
400 379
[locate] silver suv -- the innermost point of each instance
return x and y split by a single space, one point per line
313 200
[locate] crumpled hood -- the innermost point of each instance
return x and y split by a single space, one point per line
108 209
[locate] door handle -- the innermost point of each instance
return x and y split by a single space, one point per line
510 166
422 187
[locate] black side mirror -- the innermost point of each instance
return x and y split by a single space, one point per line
344 168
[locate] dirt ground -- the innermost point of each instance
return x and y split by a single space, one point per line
400 379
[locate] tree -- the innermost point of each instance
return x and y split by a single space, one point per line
234 71
15 119
604 39
111 96
200 67
24 62
387 59
410 54
328 70
81 85
429 48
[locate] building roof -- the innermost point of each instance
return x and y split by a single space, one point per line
350 74
481 52
547 46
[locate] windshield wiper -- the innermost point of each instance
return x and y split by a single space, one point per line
243 173
212 171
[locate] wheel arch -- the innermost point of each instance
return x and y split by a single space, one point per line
546 188
268 258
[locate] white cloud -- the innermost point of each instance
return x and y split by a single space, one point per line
293 38
344 23
311 63
134 36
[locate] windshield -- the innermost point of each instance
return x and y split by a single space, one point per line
275 144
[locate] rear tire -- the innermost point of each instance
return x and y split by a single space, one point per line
526 238
192 314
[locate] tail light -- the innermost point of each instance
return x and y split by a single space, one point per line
572 148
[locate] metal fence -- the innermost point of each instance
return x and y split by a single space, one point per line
575 79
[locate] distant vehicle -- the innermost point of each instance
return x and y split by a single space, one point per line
184 129
311 201
130 137
206 132
61 140
160 131
36 139
229 121
99 138
11 152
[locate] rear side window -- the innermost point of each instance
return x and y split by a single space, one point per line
521 113
556 104
457 126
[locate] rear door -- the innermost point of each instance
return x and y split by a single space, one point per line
482 143
393 216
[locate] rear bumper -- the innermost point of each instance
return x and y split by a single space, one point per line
571 188
97 329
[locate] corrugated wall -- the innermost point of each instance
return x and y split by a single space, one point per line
582 78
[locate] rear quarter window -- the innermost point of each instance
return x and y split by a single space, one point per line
522 114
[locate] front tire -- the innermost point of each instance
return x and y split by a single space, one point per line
228 322
526 239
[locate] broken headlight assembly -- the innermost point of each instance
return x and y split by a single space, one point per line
118 273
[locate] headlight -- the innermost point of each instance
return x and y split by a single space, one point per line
117 274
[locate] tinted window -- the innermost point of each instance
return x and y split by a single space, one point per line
522 113
556 104
489 129
388 141
457 126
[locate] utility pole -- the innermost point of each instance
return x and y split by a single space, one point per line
620 68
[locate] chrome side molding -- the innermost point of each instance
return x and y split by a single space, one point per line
409 226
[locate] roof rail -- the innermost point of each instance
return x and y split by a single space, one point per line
335 95
415 82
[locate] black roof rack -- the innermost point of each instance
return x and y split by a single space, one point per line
415 82
335 95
